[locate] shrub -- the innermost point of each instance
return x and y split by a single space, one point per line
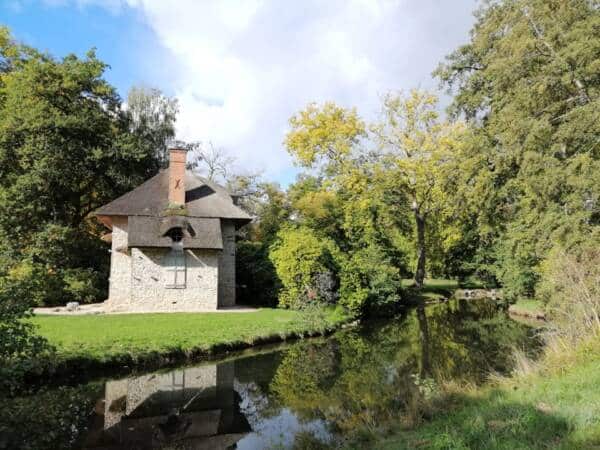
58 266
570 288
20 348
307 267
369 282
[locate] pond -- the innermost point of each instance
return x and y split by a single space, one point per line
307 394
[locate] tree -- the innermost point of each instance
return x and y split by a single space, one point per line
66 148
152 118
211 161
528 85
324 135
255 273
417 150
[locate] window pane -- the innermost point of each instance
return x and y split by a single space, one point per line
175 269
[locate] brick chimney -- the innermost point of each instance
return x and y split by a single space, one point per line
177 158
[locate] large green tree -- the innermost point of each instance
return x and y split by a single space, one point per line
153 116
418 152
528 82
345 204
67 146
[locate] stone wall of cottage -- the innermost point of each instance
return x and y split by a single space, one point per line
227 264
138 276
120 264
149 278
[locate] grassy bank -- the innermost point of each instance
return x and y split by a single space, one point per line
438 288
557 407
528 308
102 341
553 402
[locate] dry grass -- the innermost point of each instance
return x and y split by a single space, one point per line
571 289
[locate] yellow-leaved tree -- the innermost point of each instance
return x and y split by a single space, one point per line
419 160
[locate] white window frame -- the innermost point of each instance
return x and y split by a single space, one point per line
176 269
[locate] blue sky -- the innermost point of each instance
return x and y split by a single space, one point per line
121 37
241 68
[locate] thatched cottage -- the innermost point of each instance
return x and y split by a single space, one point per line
173 243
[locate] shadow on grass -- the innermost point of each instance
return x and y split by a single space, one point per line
495 421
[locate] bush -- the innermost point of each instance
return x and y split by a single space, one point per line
369 282
20 348
44 285
570 288
307 267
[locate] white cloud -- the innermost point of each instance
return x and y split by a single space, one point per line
241 68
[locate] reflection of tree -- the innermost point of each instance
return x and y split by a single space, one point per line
345 381
471 338
425 341
362 377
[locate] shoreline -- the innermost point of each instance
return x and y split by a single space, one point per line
75 369
530 309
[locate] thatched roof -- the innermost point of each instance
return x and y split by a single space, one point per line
203 198
147 231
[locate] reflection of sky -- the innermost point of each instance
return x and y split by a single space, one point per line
280 430
277 430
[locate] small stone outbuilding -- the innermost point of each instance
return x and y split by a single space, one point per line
173 243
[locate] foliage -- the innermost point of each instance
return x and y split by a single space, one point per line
324 134
21 350
570 287
152 118
302 260
528 85
67 146
255 275
59 424
369 282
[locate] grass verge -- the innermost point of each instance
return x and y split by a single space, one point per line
436 289
153 340
528 308
560 410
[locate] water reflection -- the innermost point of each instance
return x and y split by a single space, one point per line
195 407
318 390
312 393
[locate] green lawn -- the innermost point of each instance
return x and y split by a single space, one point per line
111 337
432 284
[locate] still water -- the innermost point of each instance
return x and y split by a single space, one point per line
310 392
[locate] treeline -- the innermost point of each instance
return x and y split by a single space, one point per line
509 179
68 144
491 189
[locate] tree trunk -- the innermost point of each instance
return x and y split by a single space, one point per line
420 272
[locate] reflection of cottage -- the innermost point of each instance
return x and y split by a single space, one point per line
191 408
173 243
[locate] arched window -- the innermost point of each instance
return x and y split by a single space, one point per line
175 261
